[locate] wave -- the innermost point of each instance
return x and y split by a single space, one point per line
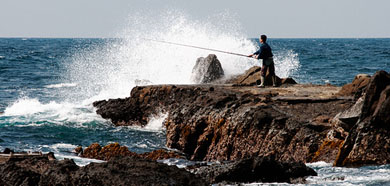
31 112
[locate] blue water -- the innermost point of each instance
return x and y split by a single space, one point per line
48 86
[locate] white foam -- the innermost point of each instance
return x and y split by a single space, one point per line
61 85
156 123
78 160
319 164
31 111
2 57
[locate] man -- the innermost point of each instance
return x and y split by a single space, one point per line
265 53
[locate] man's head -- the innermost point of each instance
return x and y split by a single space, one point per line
263 38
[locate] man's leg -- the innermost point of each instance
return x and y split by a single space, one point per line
272 73
263 72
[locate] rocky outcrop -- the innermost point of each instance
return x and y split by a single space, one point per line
95 151
117 171
207 70
258 169
368 141
252 77
209 122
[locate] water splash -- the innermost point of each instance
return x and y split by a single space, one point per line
111 71
286 63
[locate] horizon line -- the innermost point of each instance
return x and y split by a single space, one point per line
33 37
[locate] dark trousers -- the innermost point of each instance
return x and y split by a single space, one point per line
268 64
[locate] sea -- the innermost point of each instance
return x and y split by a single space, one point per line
48 85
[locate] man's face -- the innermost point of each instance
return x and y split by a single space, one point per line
261 41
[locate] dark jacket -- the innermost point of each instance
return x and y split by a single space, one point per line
264 52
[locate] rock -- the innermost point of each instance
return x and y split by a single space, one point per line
207 70
356 87
117 171
209 122
109 151
95 151
161 154
252 77
368 142
8 151
348 118
259 169
79 150
288 81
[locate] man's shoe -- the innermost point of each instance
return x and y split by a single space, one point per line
260 86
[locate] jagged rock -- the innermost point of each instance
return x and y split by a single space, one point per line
348 118
356 87
117 171
368 141
209 122
259 169
207 70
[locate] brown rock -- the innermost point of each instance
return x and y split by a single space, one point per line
79 150
288 81
252 77
106 153
161 154
368 141
92 151
115 150
356 87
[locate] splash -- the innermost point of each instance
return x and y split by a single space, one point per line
112 70
286 63
156 123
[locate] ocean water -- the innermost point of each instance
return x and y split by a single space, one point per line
47 86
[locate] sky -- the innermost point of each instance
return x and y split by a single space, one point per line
276 18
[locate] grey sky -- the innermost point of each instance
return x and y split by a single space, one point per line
277 18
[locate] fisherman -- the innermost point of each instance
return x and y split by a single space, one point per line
265 53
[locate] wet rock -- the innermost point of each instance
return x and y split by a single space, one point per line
207 70
117 171
95 151
161 154
368 141
208 122
259 169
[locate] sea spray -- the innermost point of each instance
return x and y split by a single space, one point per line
112 70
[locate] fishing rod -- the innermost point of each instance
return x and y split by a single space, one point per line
191 46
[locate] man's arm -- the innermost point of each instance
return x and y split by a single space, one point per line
256 54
